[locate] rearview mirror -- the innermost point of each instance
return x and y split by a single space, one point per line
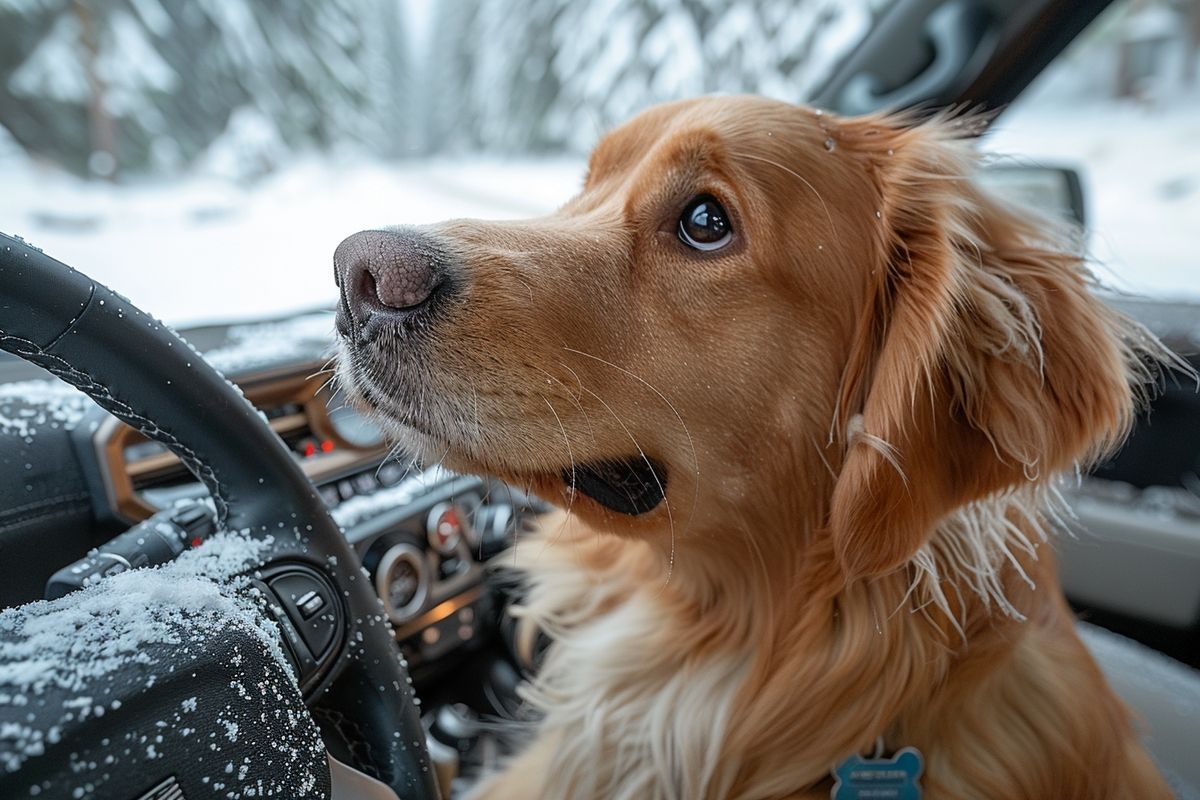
1054 190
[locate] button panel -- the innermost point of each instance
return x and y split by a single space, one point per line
317 630
301 600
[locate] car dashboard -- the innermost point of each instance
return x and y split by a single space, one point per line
75 477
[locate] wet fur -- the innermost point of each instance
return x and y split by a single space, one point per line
864 405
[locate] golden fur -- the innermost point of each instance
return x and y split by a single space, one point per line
863 403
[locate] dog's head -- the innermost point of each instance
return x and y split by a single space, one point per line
750 309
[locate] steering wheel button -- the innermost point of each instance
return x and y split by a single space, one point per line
296 650
304 595
310 603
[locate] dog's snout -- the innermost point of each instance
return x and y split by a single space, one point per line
385 275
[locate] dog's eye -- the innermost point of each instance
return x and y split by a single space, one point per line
704 224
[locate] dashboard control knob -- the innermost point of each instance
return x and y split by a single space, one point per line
446 525
402 581
495 528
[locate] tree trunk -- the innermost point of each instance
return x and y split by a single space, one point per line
102 128
1191 56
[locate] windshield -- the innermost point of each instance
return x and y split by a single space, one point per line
1122 105
205 158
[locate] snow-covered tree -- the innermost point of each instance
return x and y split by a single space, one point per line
447 72
555 74
155 82
158 83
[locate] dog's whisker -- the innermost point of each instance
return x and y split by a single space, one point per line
578 381
574 396
388 457
325 371
440 462
570 457
331 379
662 490
675 411
832 227
329 366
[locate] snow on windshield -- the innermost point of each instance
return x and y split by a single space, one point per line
298 338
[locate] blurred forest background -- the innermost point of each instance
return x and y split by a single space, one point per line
111 87
205 157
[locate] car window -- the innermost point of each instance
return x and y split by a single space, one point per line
1122 105
205 158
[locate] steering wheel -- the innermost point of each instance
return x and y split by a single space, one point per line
143 373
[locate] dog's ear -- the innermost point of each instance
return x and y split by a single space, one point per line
982 360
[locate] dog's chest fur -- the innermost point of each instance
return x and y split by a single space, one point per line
632 721
631 716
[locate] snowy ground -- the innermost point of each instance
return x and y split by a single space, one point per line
1141 176
201 249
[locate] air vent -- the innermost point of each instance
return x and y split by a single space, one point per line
150 465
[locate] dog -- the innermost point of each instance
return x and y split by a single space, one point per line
802 391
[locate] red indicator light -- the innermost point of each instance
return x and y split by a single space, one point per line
327 446
310 449
196 541
446 531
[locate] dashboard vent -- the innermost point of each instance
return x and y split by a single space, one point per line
150 465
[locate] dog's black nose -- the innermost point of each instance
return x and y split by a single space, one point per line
384 275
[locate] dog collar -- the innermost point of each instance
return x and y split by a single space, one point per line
879 777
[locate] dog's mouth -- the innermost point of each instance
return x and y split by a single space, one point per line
630 486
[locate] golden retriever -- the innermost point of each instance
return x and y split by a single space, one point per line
802 391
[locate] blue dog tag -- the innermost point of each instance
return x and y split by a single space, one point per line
895 778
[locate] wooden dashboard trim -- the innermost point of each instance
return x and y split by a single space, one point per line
297 386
